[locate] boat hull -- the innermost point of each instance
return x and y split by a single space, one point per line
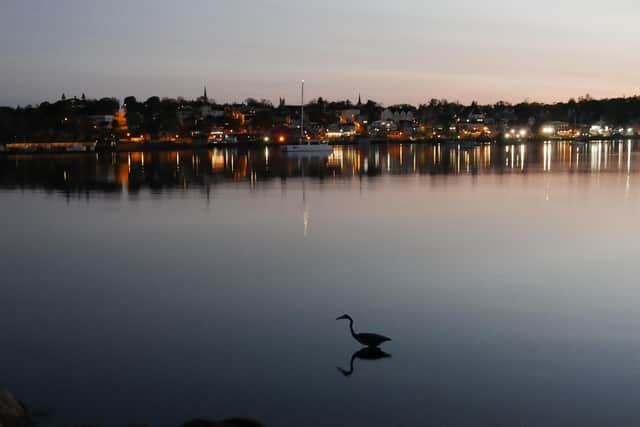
307 148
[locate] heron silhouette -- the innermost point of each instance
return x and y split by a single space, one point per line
367 353
370 340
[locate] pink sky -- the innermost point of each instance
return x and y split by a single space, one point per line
392 52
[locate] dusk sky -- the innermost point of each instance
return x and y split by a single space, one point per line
389 51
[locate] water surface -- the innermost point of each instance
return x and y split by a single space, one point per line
162 286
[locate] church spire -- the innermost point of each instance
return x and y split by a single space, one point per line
205 94
359 100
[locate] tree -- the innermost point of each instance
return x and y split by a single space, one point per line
263 120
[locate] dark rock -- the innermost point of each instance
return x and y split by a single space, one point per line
242 422
231 422
12 412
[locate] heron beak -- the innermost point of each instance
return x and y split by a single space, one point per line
341 318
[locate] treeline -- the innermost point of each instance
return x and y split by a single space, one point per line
64 119
74 118
586 110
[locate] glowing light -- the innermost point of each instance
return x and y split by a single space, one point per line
548 130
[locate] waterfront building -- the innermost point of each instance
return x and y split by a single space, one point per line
600 129
557 129
381 128
338 131
349 116
397 114
102 121
208 110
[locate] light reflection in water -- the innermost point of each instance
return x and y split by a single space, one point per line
571 156
162 170
547 150
629 158
513 154
620 154
628 184
427 252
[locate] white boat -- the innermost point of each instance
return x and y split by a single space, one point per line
304 145
309 147
76 148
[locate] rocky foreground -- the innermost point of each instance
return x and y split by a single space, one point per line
14 413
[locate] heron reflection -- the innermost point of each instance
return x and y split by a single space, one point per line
366 353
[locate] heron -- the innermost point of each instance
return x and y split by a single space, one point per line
370 340
366 353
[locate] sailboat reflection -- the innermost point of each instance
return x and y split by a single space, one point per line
366 353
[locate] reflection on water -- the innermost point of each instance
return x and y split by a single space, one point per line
205 284
367 353
181 170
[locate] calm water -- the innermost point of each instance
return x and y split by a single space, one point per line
159 287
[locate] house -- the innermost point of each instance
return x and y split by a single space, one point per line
185 114
102 121
381 128
556 129
397 115
603 129
208 110
347 130
349 116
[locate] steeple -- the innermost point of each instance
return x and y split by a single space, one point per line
205 94
359 100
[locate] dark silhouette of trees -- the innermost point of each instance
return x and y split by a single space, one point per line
75 118
263 120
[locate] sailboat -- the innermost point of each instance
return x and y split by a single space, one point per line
305 145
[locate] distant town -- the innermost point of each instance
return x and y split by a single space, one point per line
80 123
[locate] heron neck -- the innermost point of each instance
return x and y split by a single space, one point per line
351 327
353 358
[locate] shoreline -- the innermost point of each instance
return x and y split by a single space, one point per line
81 147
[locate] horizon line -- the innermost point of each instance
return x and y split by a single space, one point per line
526 100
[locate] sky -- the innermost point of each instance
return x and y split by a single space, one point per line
401 51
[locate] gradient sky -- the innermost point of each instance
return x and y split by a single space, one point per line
390 51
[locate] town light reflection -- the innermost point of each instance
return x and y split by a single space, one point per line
198 168
547 156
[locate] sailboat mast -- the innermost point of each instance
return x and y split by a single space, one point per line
302 114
